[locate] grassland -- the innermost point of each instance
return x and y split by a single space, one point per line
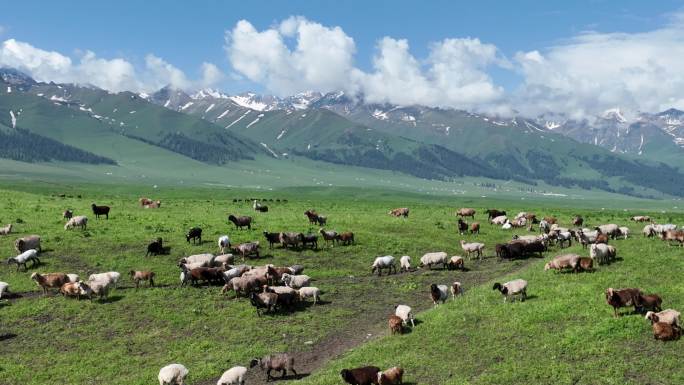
564 333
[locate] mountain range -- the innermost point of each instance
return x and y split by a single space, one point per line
81 123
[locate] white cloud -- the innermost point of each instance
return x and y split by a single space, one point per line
115 75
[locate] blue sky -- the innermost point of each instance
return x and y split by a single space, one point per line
190 33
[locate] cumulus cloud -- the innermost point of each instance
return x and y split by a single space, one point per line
115 75
322 58
595 71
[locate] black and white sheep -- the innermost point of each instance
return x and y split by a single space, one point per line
512 288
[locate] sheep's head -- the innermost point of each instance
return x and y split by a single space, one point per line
10 260
34 276
255 361
547 266
497 286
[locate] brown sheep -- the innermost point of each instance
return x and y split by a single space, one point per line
395 324
75 289
618 298
26 243
400 212
551 220
280 361
601 238
138 276
475 228
346 238
466 212
665 332
391 376
50 280
577 221
241 285
585 264
462 226
650 302
240 222
361 376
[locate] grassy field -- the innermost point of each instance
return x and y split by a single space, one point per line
564 333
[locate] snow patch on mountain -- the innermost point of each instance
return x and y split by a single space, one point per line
13 118
224 113
186 105
248 101
210 107
238 119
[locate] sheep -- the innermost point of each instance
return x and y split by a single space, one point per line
405 263
456 289
144 201
272 238
296 269
601 238
395 324
73 277
666 227
247 249
210 274
648 231
438 293
240 222
274 274
391 376
624 231
473 247
233 376
602 253
100 287
562 237
21 259
173 374
435 258
345 238
5 230
26 243
223 243
507 225
577 221
665 332
315 218
475 228
493 213
466 212
365 375
500 220
267 301
386 262
587 237
400 212
462 226
279 361
669 316
544 227
534 247
204 260
223 260
404 312
4 288
232 273
561 262
111 276
651 302
511 288
75 289
78 221
455 262
612 230
585 264
640 218
309 292
241 285
673 235
155 247
50 280
195 234
100 210
138 276
618 298
310 239
296 281
67 214
329 236
291 239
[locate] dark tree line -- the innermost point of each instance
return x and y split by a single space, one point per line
25 146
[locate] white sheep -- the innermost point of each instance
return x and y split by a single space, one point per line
648 231
564 236
507 225
6 229
405 262
404 312
601 253
77 221
21 259
624 231
309 292
512 288
473 247
4 288
73 277
610 230
223 259
233 376
111 276
669 316
205 260
223 243
295 281
666 227
173 374
386 262
229 274
435 258
500 220
100 286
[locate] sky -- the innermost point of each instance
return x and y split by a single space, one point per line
500 57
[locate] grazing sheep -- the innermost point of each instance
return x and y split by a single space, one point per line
395 324
197 260
241 285
585 264
280 361
100 210
544 226
618 298
5 230
611 230
404 312
329 236
310 239
473 247
78 221
296 281
462 226
587 237
669 316
648 231
75 289
50 280
296 269
455 262
111 276
21 259
564 261
267 301
144 201
493 213
512 288
4 288
274 274
67 214
365 375
195 234
138 276
309 292
651 302
272 238
475 228
640 218
456 289
624 231
247 249
400 212
391 376
312 215
223 260
155 247
602 253
386 262
293 239
673 235
345 238
438 293
500 220
562 237
173 374
233 376
240 222
223 243
665 332
26 243
435 258
232 273
405 263
205 274
466 212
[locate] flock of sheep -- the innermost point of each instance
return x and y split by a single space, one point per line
271 288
